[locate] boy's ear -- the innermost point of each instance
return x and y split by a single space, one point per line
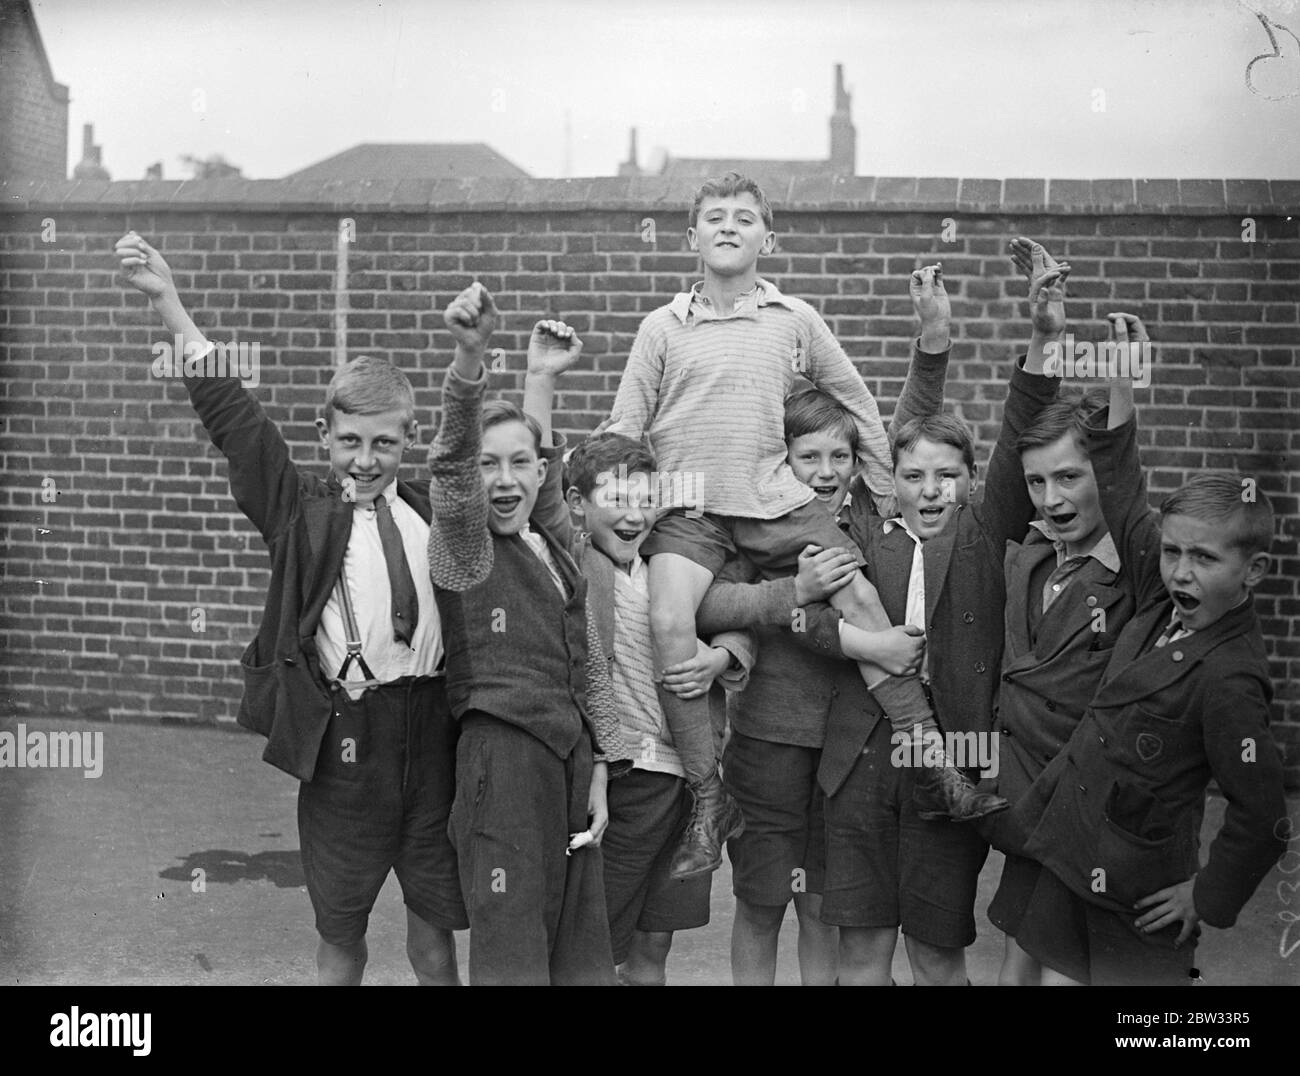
1257 568
574 500
769 243
692 239
974 477
411 431
542 465
323 428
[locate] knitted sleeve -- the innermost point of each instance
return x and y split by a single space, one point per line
601 708
460 547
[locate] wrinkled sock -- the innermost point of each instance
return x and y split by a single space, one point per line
691 727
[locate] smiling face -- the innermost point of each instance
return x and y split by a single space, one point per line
730 234
824 461
512 474
930 480
617 514
1204 572
1064 490
366 450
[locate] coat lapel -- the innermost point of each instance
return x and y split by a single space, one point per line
936 553
1021 561
891 567
328 521
1138 675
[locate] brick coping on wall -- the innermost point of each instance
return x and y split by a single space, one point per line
1189 197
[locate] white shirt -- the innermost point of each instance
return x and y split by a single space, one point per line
364 565
538 545
915 615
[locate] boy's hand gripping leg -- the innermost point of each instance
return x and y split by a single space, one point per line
942 790
677 586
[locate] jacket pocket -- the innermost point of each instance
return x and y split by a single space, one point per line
1139 847
257 709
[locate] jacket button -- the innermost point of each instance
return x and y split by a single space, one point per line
1051 706
290 661
1083 788
1177 655
980 666
1101 740
1006 678
1092 599
968 616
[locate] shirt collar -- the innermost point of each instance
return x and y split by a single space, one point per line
848 500
389 494
1104 552
765 293
899 523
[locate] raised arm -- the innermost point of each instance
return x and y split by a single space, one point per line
928 371
1122 490
263 479
552 349
1007 508
460 546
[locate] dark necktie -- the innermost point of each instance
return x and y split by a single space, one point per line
406 608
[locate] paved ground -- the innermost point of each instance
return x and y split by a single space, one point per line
97 879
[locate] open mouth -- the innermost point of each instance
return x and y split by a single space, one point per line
363 480
826 493
1185 602
627 534
1062 520
931 515
505 505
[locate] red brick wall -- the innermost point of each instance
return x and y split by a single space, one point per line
102 585
34 119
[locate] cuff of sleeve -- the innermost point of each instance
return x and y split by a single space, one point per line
934 356
463 387
556 451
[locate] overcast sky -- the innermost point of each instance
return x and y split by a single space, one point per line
1043 88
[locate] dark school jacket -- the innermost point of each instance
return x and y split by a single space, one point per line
1127 794
964 589
1047 684
305 523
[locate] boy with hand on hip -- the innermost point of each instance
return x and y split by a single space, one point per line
1115 818
344 677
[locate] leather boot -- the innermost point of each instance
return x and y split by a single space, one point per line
715 817
946 792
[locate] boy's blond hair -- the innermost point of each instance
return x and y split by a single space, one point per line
368 385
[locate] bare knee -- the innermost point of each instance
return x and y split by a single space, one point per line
935 965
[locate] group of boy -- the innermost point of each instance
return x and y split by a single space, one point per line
529 731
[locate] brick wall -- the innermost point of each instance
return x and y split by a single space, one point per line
34 119
104 584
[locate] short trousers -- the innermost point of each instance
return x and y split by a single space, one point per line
1097 946
887 867
773 545
783 848
379 801
1015 887
648 812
